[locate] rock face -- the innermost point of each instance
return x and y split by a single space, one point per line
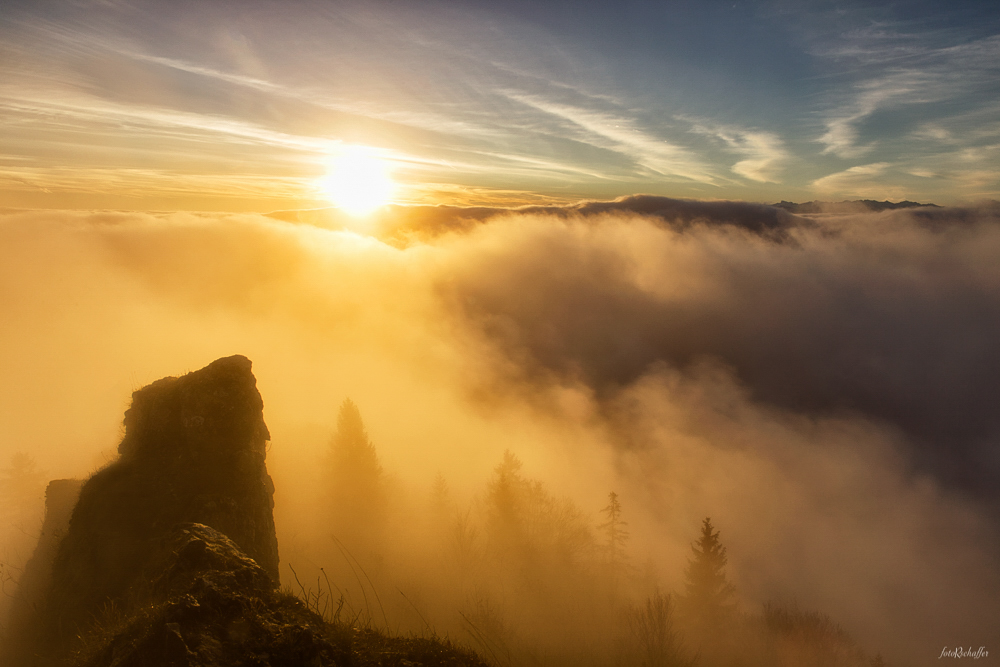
193 452
207 604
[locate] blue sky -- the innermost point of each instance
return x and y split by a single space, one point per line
240 105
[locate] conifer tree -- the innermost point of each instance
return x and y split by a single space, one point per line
351 450
614 532
506 493
355 492
523 519
708 596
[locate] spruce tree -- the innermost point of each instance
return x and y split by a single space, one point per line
351 450
708 596
506 494
355 484
614 532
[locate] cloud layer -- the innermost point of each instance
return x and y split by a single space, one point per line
823 388
889 316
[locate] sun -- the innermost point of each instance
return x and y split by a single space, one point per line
358 181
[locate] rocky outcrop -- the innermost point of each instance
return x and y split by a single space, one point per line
170 557
193 452
207 604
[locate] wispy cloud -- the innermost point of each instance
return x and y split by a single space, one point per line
860 181
892 71
150 182
765 153
842 131
622 135
87 111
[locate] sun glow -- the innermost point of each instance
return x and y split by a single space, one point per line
358 181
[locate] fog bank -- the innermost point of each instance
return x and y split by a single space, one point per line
822 387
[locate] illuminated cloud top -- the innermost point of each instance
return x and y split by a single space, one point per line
140 104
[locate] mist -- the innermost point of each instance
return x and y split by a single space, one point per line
822 387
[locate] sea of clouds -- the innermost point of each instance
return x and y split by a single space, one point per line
822 386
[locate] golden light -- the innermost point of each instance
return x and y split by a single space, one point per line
358 181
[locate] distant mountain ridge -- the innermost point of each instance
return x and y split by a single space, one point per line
847 206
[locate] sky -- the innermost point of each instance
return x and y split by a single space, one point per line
239 106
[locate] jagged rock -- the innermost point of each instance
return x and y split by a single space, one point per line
206 604
203 436
203 603
193 452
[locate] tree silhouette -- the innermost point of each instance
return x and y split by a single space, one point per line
523 519
614 532
800 637
652 640
351 449
708 596
442 510
355 491
506 493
